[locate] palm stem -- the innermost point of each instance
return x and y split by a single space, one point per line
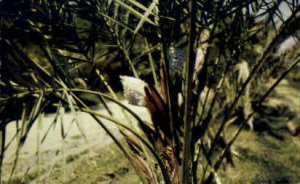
185 175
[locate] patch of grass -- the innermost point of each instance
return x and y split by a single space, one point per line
106 165
24 179
264 159
71 158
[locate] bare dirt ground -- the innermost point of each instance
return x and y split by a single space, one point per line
85 142
92 158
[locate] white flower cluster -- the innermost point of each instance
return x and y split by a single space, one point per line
134 90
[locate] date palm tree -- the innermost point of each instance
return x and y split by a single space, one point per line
194 64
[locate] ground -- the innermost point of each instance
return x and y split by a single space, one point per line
269 155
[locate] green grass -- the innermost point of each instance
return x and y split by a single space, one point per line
264 159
